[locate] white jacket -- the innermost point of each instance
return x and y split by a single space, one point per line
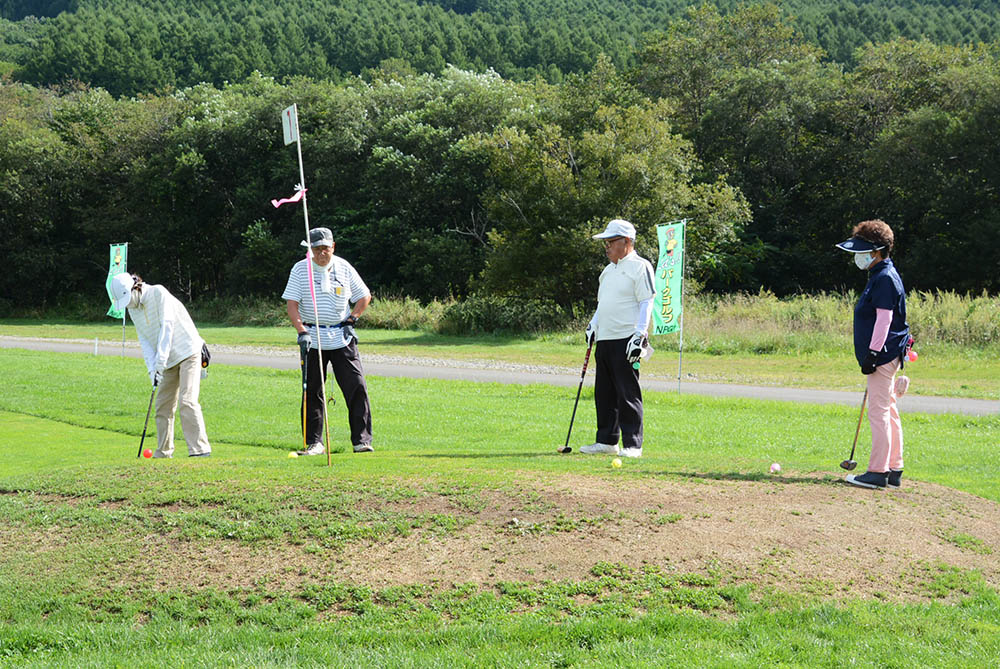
166 331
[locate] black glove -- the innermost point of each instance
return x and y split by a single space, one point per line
868 364
350 320
305 342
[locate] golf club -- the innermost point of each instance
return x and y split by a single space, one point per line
146 425
303 351
849 463
586 361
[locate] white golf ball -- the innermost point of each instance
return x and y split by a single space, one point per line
775 468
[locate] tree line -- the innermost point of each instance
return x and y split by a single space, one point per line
131 47
463 183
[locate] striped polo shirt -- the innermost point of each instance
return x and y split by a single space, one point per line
333 298
165 329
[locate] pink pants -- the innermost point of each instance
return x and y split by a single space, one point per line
887 431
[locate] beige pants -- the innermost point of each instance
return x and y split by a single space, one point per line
181 382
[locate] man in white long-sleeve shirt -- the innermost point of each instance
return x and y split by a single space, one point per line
620 328
171 347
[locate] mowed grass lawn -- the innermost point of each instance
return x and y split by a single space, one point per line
78 510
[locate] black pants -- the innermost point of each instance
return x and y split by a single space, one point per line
351 379
617 395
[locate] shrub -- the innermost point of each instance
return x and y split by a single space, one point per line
242 311
403 313
489 314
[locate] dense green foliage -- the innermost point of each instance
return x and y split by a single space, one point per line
907 136
459 183
410 170
134 46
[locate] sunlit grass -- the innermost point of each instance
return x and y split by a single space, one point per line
76 506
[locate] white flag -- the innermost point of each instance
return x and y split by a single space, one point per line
290 124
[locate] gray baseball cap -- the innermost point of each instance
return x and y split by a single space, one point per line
319 237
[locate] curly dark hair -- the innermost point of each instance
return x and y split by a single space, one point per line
877 232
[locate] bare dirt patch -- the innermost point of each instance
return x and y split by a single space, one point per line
809 533
812 533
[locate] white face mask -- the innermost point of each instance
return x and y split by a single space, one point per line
136 298
863 260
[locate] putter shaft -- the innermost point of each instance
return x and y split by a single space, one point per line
849 463
586 360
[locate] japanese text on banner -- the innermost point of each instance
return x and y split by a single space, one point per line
667 306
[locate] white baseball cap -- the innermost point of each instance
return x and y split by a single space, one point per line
617 228
121 289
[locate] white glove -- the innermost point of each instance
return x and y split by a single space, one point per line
155 376
591 333
636 347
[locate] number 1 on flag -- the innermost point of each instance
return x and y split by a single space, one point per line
290 124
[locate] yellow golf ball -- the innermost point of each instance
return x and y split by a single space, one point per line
616 463
293 454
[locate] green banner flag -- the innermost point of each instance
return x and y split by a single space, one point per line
667 305
118 264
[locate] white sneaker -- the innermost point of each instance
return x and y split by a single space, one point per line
315 449
590 449
632 452
363 448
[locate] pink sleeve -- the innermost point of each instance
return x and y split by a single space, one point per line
883 318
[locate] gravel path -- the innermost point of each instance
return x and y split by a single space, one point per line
495 371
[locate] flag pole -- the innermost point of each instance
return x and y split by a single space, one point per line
293 113
123 310
680 321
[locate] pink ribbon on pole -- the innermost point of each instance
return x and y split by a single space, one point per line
286 200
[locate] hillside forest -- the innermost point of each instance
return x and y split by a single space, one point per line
459 171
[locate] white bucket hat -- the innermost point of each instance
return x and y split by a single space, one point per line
617 228
121 289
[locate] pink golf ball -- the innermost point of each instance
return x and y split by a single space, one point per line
775 468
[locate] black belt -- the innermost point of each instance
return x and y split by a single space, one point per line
313 325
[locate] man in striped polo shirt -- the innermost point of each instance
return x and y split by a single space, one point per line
341 298
620 328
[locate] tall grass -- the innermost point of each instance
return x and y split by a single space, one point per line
717 324
944 316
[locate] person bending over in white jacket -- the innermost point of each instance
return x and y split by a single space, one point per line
171 347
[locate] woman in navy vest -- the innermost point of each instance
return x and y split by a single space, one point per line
881 339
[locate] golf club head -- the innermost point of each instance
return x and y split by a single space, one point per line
848 465
566 449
